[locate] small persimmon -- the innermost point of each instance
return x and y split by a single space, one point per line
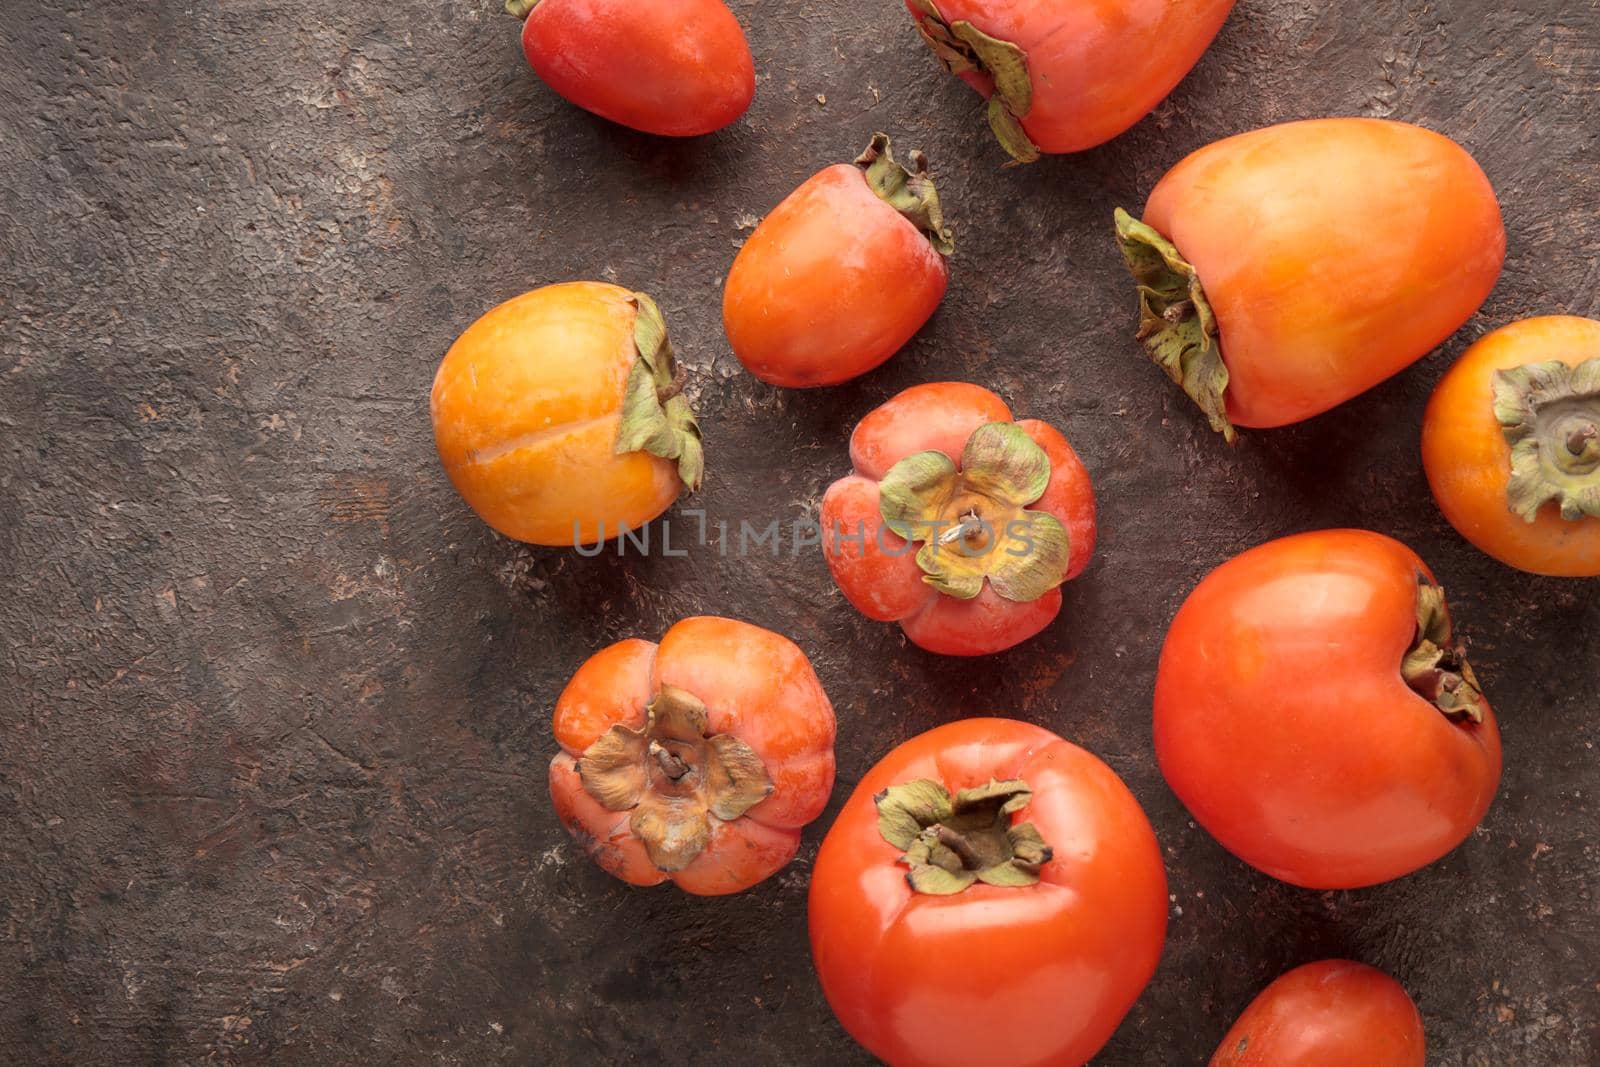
559 415
1511 444
697 760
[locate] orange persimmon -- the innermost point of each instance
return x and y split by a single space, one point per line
1334 1013
841 274
696 760
559 415
1065 75
990 894
677 68
1283 271
1511 444
1315 713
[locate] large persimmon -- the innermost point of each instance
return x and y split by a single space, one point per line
1316 713
1283 271
989 894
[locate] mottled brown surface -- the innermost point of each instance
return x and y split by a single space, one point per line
274 729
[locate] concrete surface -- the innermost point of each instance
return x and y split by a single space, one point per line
274 731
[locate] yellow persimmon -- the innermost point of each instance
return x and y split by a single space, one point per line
559 417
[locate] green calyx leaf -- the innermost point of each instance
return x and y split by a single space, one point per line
1176 323
909 192
951 843
1550 415
963 48
656 416
520 8
1436 667
973 520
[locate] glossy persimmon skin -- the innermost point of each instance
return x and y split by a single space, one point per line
1030 975
1335 253
1097 66
757 686
881 577
1468 461
1329 1014
526 406
832 283
678 68
1283 723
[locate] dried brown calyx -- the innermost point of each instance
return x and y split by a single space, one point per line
1176 323
674 777
1436 667
950 843
962 48
1550 414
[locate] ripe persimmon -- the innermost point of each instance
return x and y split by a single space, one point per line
1511 444
559 415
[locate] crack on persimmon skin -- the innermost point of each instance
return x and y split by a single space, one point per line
674 777
489 453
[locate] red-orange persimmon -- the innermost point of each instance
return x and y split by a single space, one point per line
698 759
673 67
841 274
1065 75
990 894
958 523
1317 716
1329 1014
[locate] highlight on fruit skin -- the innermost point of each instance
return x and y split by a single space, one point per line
1283 271
841 274
1511 445
560 417
675 68
1065 75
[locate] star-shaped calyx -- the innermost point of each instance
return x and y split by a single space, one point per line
973 518
674 777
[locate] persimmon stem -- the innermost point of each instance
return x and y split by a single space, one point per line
672 765
1581 437
680 378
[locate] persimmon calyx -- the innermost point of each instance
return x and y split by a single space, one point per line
673 777
962 48
950 843
908 191
520 8
656 416
1550 415
1436 667
973 519
1176 323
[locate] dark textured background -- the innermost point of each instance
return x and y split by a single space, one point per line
275 726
